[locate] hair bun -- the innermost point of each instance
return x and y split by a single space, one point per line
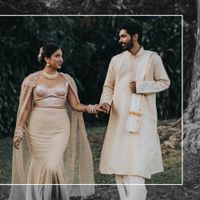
40 55
46 51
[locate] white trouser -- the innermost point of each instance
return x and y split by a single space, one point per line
131 192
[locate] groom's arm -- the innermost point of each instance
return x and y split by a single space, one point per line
161 81
108 88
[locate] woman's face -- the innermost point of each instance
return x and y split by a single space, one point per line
56 60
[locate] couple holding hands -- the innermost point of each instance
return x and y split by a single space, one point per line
51 148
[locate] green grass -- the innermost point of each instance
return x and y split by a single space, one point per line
171 158
172 161
169 176
5 160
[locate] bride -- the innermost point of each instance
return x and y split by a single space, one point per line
50 141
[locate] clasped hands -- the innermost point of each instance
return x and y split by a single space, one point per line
104 107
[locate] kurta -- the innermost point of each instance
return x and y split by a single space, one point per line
127 153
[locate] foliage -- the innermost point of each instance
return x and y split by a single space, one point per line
187 8
90 6
88 44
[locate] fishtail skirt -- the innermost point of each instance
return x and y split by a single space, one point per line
48 136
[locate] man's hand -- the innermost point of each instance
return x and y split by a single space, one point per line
100 108
133 87
106 107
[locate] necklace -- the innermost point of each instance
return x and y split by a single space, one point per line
50 76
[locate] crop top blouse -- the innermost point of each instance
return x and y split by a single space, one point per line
50 97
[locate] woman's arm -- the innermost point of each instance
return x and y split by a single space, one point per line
20 129
77 106
26 113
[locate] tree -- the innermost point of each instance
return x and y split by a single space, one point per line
192 113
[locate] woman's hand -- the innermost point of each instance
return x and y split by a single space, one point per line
16 141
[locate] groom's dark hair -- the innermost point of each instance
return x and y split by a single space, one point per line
132 28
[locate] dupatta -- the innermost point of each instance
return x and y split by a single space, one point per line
78 159
135 111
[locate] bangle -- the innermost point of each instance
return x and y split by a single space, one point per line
92 109
19 132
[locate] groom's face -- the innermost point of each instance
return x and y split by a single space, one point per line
125 40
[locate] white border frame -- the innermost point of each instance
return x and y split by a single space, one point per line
182 75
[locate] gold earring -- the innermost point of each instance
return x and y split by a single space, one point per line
48 65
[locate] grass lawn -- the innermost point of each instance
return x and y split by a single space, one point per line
171 157
172 161
5 160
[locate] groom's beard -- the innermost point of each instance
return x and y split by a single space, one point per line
126 46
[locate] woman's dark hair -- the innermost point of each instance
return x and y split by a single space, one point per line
46 51
132 28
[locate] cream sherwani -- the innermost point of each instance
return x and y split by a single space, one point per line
127 153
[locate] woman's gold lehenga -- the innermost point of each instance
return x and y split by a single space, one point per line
55 150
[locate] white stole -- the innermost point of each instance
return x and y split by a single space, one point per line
135 111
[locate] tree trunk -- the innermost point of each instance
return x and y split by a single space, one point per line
192 113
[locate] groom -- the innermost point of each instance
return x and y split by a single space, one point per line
131 149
